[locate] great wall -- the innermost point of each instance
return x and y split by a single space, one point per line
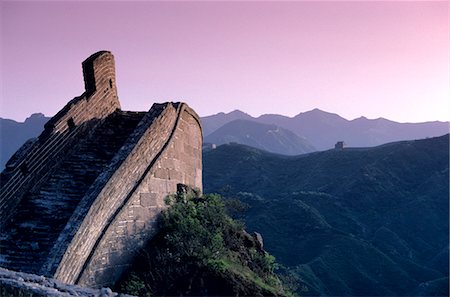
80 200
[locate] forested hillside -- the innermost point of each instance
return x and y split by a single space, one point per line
347 222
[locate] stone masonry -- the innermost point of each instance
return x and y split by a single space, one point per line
79 201
13 283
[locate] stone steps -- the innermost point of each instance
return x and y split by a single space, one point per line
43 213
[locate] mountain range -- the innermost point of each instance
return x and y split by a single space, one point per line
313 130
323 129
351 222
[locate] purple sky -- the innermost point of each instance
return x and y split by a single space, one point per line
373 59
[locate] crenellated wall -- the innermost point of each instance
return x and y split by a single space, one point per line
37 160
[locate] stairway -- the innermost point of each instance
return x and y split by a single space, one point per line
44 212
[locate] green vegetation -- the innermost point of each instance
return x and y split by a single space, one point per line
200 250
356 222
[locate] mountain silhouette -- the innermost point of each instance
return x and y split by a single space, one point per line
323 129
263 136
13 134
214 122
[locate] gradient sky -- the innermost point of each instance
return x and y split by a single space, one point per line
373 59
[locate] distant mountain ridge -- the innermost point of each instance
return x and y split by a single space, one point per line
213 122
315 129
267 137
13 134
323 129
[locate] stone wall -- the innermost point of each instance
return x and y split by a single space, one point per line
123 216
15 284
116 214
74 230
37 160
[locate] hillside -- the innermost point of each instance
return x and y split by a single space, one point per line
13 134
323 129
267 137
351 222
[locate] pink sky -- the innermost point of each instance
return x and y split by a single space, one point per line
373 59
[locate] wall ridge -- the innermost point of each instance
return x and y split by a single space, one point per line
82 241
129 195
93 191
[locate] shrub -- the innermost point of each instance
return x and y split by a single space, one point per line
200 250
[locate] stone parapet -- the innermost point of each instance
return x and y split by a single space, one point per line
86 195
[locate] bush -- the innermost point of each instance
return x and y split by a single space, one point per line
200 250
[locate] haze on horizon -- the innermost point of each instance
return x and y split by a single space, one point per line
372 59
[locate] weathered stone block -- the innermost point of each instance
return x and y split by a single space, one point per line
149 199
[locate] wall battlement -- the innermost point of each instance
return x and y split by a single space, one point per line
99 99
95 183
99 71
81 114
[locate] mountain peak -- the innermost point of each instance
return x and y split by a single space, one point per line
234 113
315 111
318 113
36 118
36 115
237 112
264 136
